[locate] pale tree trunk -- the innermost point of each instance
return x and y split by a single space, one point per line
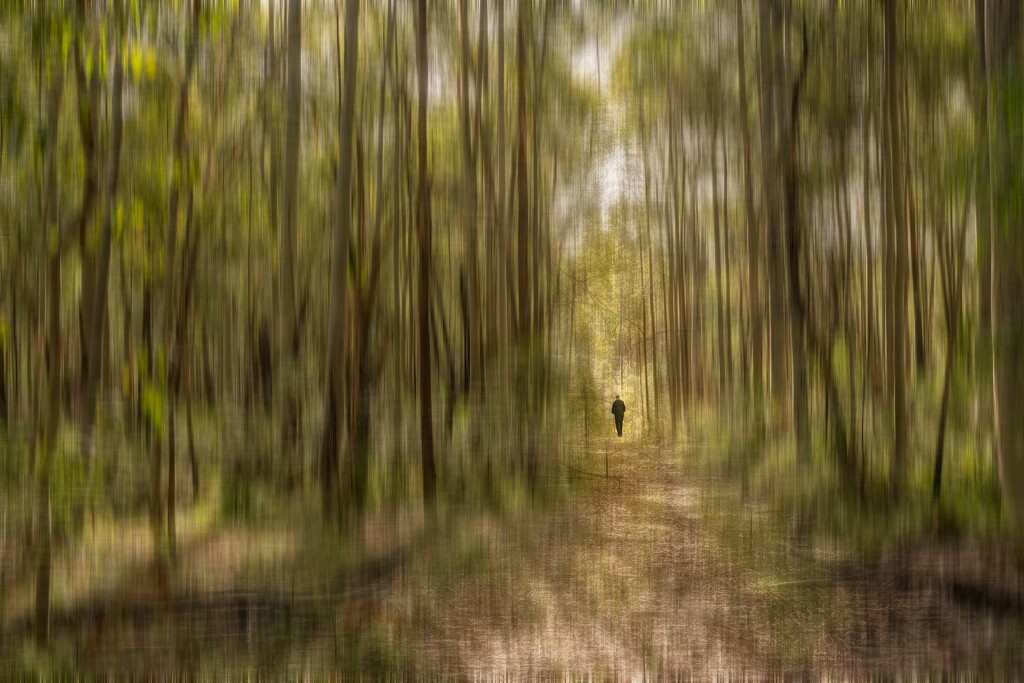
1005 62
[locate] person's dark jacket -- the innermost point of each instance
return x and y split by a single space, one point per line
618 408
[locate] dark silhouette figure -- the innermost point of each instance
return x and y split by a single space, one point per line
619 411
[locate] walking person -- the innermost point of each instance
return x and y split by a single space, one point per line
619 411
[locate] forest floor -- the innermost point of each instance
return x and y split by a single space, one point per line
652 571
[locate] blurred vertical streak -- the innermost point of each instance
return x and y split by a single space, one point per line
338 293
50 426
288 334
1005 66
423 242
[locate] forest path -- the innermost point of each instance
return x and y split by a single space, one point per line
621 579
656 571
650 572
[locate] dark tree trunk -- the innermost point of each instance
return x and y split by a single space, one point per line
423 241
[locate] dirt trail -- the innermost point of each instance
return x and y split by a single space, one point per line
616 580
635 580
635 576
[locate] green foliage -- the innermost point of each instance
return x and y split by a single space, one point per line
153 405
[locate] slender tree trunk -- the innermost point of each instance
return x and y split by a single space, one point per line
871 349
898 244
754 302
655 370
4 400
723 380
983 219
798 312
175 302
287 320
469 179
524 297
644 339
730 371
88 111
99 308
177 351
769 38
952 276
916 258
423 233
191 437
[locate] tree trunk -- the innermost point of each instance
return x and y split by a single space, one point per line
287 244
770 36
952 263
423 241
338 310
99 307
469 204
723 380
650 269
753 227
524 299
177 360
983 220
88 111
191 437
794 251
897 301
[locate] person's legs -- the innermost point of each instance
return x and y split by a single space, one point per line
618 425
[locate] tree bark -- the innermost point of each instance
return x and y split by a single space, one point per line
897 286
423 242
769 39
524 298
720 295
798 313
287 244
753 227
